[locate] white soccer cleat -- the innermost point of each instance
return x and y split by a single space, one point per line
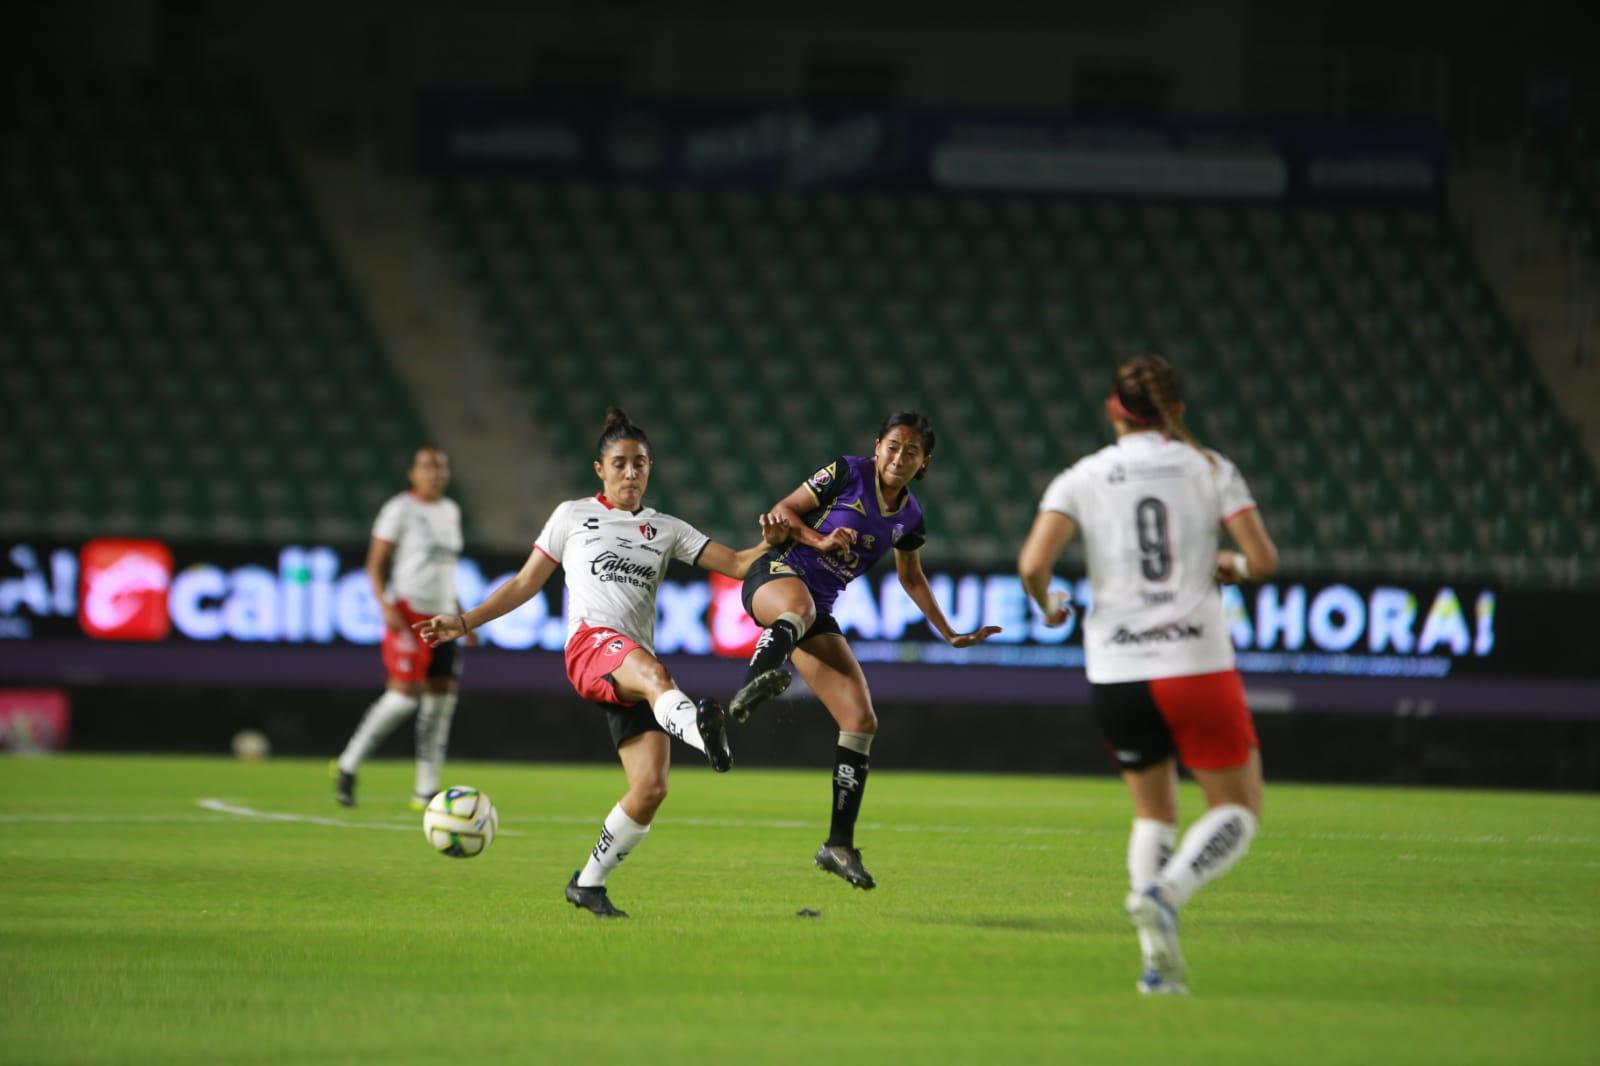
1157 923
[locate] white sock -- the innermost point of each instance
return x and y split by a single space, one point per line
618 836
433 737
1149 847
857 742
1209 849
676 713
388 711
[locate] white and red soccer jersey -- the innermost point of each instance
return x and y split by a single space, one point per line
615 561
1150 509
427 543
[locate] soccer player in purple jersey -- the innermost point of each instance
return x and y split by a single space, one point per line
843 519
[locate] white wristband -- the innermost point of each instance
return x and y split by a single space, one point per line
1242 564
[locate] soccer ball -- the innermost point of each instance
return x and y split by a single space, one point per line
460 822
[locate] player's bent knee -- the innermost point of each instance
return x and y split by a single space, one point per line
863 721
650 794
656 676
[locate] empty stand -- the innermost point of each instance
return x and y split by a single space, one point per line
1354 363
181 355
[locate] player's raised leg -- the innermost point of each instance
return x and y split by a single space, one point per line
702 726
786 610
1221 836
646 759
830 669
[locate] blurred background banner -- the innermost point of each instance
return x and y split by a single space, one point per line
483 135
127 591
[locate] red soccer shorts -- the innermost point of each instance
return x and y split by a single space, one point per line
1208 718
593 654
406 656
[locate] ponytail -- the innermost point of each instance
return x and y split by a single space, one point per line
619 427
1147 388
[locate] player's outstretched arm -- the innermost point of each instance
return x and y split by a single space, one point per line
721 559
442 628
908 567
1051 532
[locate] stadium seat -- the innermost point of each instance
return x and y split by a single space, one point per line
1353 363
166 283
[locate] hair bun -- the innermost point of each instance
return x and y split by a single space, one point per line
616 416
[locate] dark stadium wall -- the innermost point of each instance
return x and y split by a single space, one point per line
1410 750
369 57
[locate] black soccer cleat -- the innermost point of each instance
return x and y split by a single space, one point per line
845 862
712 721
344 787
594 900
757 691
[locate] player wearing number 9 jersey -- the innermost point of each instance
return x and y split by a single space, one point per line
1157 651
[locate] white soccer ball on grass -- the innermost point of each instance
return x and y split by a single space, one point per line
460 822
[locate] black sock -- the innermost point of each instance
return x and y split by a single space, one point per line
849 781
772 649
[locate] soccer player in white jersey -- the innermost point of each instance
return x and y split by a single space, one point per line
1157 651
411 562
615 552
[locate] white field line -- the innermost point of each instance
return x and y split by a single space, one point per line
221 806
224 807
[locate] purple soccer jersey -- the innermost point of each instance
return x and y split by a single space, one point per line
847 494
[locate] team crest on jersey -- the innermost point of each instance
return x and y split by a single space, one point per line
614 647
647 530
823 477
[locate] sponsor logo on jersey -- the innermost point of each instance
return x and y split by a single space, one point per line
1167 634
123 589
781 568
609 566
1117 475
824 477
647 530
591 523
615 646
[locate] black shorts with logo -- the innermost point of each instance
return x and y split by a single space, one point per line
761 572
1134 730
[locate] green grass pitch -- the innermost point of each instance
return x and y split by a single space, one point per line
1366 926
